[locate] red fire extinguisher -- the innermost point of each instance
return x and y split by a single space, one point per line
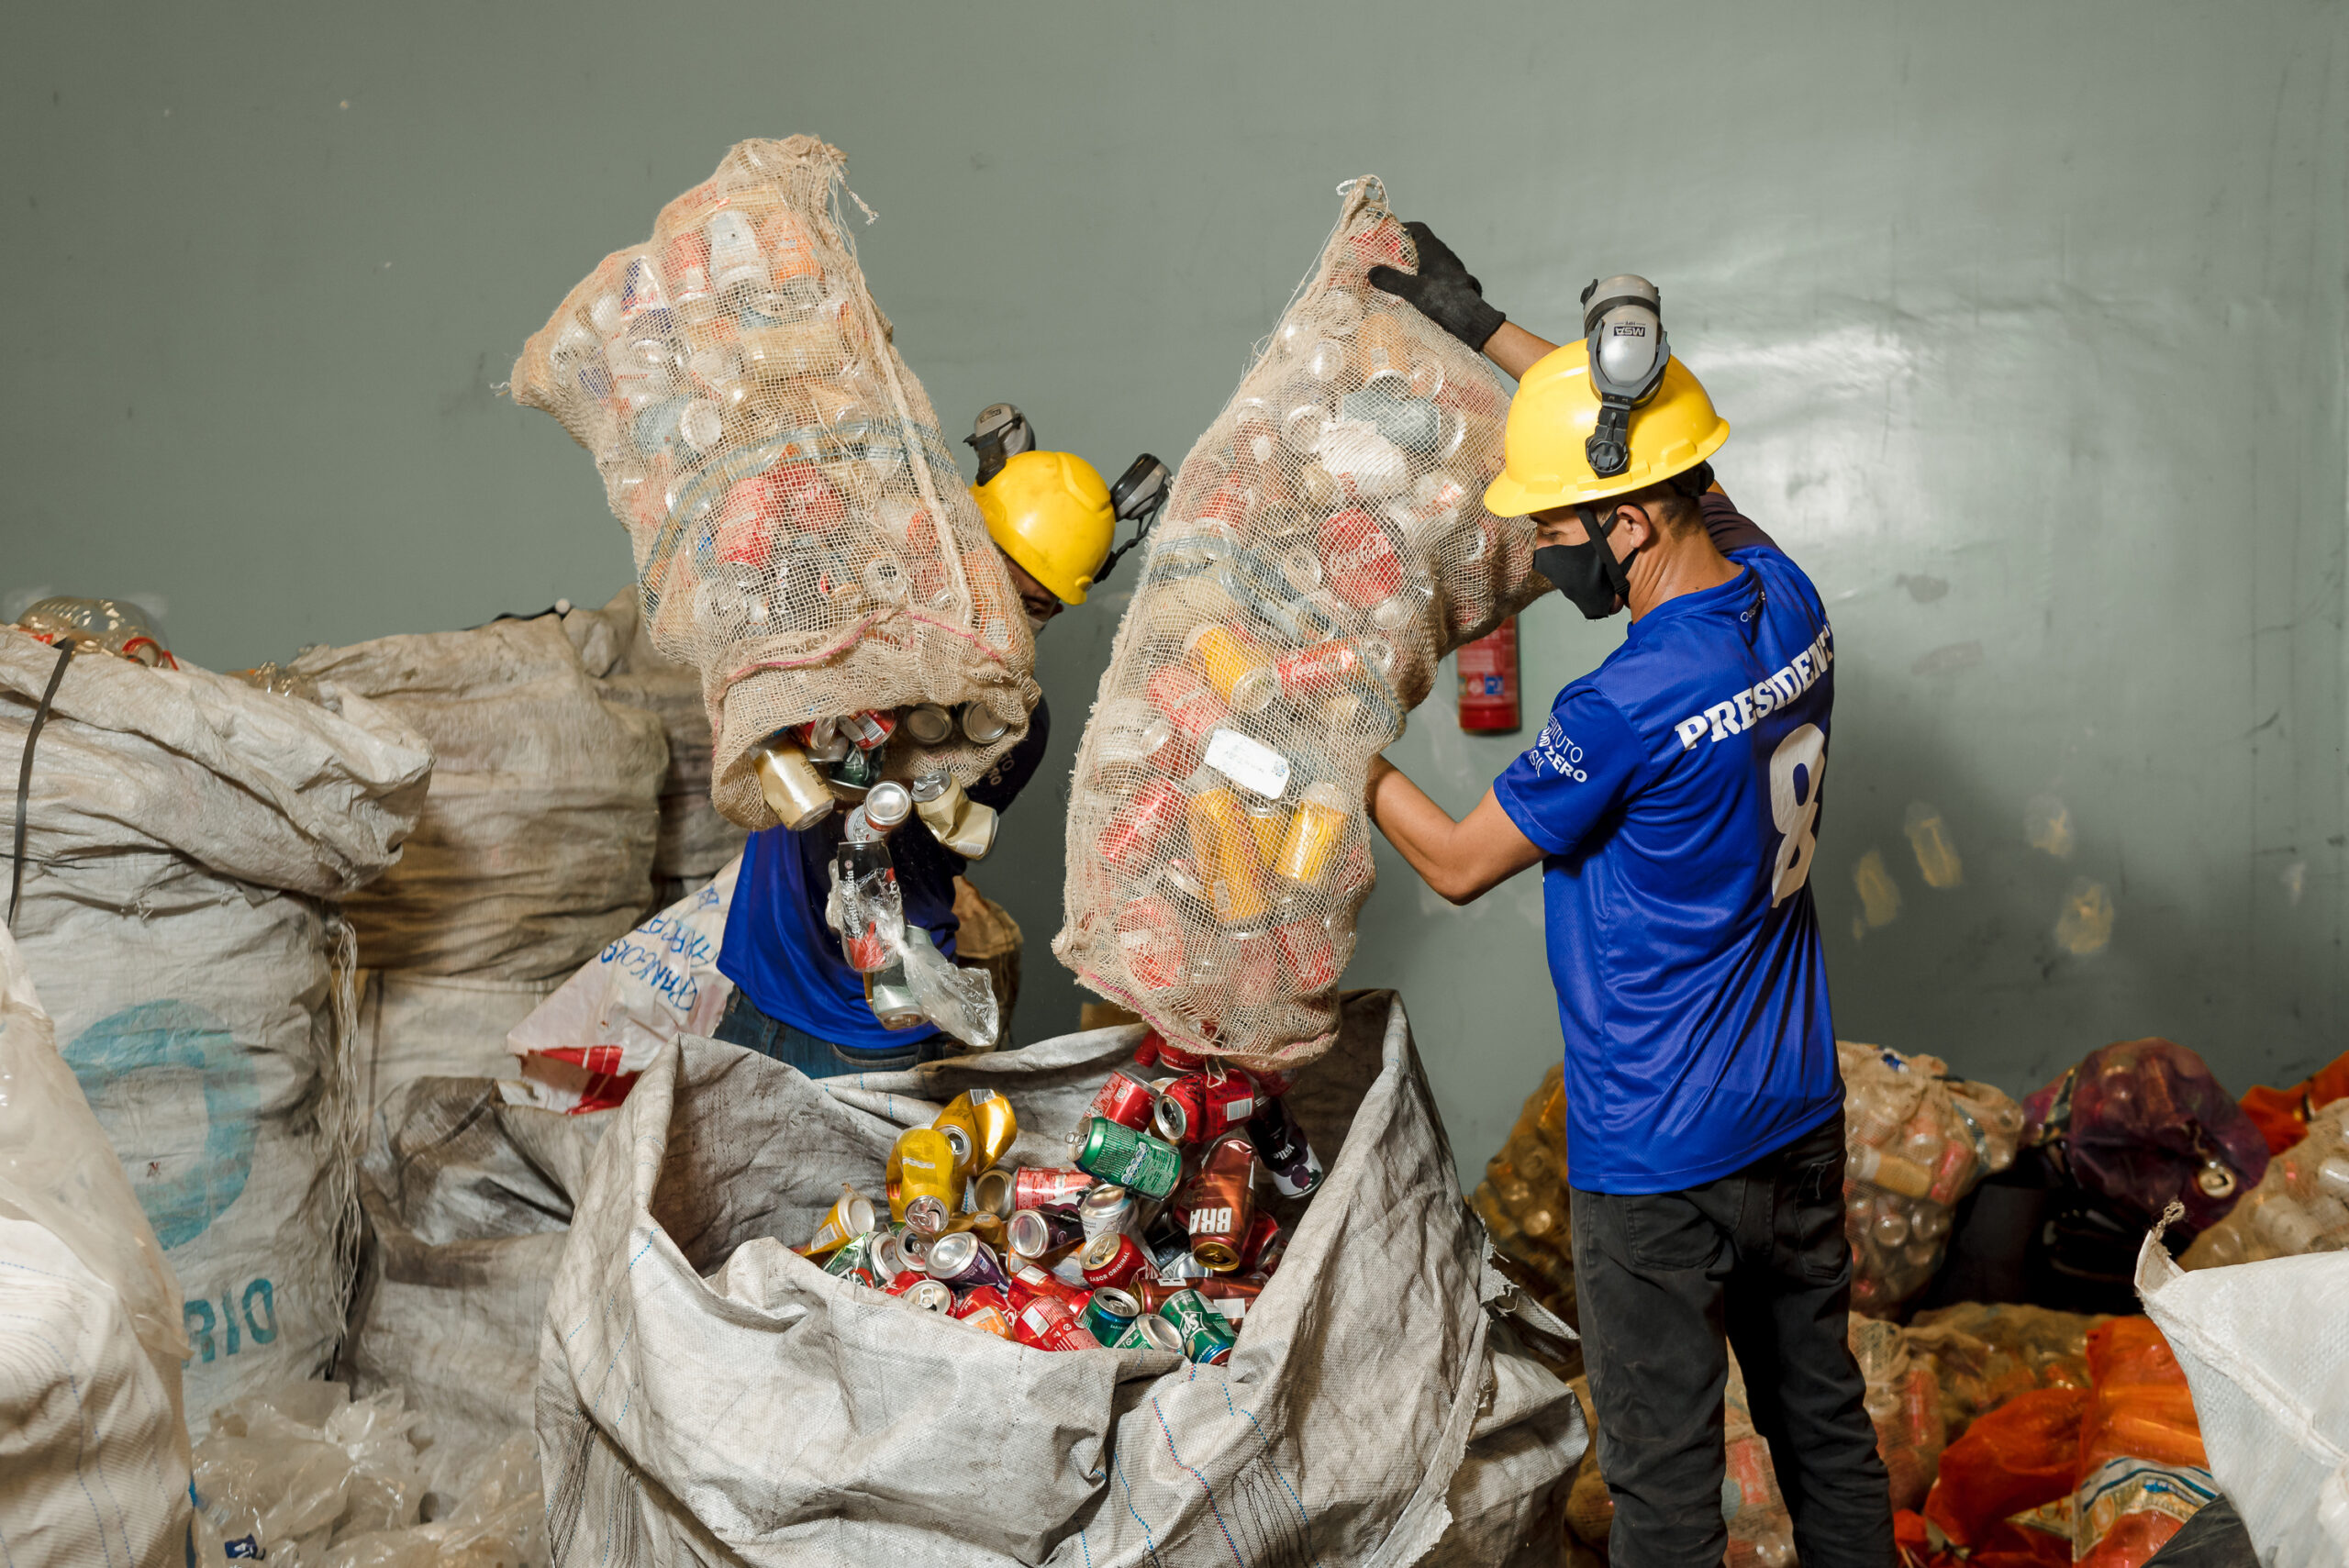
1489 682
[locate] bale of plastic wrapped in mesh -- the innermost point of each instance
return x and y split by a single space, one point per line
1325 546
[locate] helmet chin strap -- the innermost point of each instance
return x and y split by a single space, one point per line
1618 574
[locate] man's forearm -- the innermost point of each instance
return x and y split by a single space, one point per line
1515 349
1463 860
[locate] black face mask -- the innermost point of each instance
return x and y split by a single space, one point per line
1590 577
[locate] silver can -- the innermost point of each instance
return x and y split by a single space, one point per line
1105 1210
981 726
932 1296
928 724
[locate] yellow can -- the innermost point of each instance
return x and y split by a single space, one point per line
1225 851
992 1124
1240 676
1267 827
1314 834
925 1193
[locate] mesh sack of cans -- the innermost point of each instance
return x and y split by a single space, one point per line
802 534
724 1374
1326 544
1918 1140
1151 1236
2302 1204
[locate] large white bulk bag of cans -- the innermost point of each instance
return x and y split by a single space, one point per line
468 1199
707 1395
185 836
2265 1346
1325 546
94 1454
535 848
803 536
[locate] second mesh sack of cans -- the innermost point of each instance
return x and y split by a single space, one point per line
1183 1183
1918 1140
1326 544
802 534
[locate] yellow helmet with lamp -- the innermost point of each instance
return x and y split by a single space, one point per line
1050 512
1577 434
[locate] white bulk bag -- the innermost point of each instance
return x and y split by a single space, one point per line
185 831
2265 1348
706 1395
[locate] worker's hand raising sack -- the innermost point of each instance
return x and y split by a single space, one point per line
1441 289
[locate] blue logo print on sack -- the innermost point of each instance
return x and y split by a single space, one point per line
178 1035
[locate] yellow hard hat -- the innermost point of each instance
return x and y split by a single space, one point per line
1050 513
1552 417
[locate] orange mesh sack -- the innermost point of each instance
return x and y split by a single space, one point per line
802 537
1325 546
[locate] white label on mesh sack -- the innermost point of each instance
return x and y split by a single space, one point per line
1250 764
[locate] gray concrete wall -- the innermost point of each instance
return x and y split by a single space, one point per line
2029 318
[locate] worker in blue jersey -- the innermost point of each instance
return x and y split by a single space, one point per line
1672 803
796 998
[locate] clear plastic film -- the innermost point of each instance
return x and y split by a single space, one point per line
1324 547
802 534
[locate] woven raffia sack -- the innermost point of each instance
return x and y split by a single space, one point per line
187 835
707 1396
1326 544
535 848
802 537
468 1200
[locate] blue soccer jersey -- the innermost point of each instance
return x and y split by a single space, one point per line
1675 794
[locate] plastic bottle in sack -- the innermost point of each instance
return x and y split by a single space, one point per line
872 908
97 626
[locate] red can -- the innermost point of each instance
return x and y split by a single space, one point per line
1060 1187
1256 968
1190 705
1197 1109
1146 1053
1029 1280
1048 1323
1135 834
1174 1059
1112 1258
1489 682
1152 938
1305 947
1265 1238
1126 1100
1317 671
1154 1293
1359 555
985 1308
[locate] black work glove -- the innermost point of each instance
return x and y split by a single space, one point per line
1442 290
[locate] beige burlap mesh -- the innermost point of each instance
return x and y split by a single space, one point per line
1326 544
802 537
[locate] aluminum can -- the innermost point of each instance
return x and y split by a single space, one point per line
868 731
1174 1059
1048 1323
1206 1339
1050 1187
1226 852
854 1261
986 1123
889 1258
1107 1209
906 1279
1305 948
1130 1159
1359 555
1267 825
931 1296
1317 671
1306 854
988 1228
926 1192
1136 833
1150 938
1265 1240
1112 1258
1150 1332
985 1308
964 1261
1256 965
855 774
1190 705
1109 1313
1126 1100
991 1193
1029 1278
1197 1108
981 726
1225 1298
887 805
1281 1144
1034 1234
1131 744
794 790
1236 672
1219 1204
926 723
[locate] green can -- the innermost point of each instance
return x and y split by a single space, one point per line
1150 1332
854 1261
859 769
1129 1159
1207 1338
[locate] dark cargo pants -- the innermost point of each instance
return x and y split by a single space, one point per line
1758 1256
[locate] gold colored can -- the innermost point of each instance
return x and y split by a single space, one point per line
986 1119
988 1228
1239 674
1268 826
1224 850
795 790
1314 834
926 1195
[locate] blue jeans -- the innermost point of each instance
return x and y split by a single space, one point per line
745 1026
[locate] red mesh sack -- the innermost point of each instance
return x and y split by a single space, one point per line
1325 545
2143 1471
802 534
2017 1459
